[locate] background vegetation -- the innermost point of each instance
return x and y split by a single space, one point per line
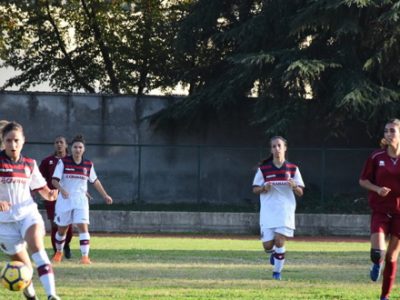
329 61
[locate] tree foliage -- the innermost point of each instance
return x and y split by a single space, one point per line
89 45
326 61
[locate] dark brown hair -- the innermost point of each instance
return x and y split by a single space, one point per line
78 138
270 157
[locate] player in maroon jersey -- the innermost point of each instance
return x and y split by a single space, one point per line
21 225
47 167
381 177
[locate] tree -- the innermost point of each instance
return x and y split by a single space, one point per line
95 46
328 61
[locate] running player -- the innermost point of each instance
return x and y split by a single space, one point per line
21 224
47 167
380 176
277 181
70 178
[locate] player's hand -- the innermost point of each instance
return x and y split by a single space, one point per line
267 187
5 206
64 193
292 184
108 199
383 191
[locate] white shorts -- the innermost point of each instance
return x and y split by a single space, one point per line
12 234
74 216
268 234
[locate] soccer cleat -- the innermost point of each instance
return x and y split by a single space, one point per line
57 257
53 297
276 276
85 260
67 252
375 272
272 259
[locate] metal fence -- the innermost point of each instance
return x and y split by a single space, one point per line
207 176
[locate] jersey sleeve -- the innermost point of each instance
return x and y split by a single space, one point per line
92 175
258 178
298 178
59 170
37 181
368 170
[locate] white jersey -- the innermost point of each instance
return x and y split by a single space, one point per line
278 205
17 179
73 178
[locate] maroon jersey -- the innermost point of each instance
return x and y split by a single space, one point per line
47 167
383 170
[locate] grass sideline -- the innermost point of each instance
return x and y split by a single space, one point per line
184 267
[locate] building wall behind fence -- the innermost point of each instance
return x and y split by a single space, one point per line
214 164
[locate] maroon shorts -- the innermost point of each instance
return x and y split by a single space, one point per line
50 207
385 223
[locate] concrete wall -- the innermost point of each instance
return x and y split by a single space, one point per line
220 223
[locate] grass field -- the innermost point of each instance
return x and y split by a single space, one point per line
182 267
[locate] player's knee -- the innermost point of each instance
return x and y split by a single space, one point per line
268 246
377 255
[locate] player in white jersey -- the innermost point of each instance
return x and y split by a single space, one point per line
21 225
70 177
277 181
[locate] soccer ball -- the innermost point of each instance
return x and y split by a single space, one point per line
16 276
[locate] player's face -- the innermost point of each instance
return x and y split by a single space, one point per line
78 149
278 148
13 143
392 134
60 145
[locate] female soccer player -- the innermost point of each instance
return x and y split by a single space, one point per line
20 221
277 181
380 176
47 167
70 177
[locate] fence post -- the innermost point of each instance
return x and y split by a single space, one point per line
198 174
139 170
323 167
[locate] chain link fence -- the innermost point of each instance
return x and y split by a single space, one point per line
217 178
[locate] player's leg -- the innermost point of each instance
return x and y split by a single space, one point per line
379 228
393 250
267 239
389 273
33 232
63 220
50 207
81 219
67 249
23 256
14 246
279 255
84 242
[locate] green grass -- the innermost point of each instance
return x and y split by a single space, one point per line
211 268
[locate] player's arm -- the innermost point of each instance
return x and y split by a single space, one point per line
99 187
261 189
380 190
47 193
56 183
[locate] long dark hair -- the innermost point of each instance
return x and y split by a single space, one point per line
271 157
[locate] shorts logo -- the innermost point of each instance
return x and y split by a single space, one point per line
2 246
381 163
